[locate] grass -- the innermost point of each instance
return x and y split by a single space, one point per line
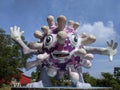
5 87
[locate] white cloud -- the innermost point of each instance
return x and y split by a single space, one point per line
102 32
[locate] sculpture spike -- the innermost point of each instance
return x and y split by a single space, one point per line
42 56
70 23
88 40
45 29
89 56
61 22
50 20
62 35
38 34
76 25
83 35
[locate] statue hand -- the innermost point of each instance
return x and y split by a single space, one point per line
16 33
111 49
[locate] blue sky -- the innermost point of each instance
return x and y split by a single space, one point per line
98 17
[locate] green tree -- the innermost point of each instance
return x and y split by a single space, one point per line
89 79
109 80
117 72
11 57
35 75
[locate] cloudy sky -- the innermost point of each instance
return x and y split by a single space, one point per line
98 17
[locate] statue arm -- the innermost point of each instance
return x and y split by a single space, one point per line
40 58
110 50
16 36
96 50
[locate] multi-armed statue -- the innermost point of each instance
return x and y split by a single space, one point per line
62 50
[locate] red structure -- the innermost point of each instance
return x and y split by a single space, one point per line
24 79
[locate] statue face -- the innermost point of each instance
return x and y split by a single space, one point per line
62 43
61 52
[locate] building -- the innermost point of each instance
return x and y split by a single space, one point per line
24 79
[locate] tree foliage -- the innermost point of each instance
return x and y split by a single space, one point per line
117 73
89 79
11 57
108 80
35 75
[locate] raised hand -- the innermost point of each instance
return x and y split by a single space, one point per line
16 33
111 49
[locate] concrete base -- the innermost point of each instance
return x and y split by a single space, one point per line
63 88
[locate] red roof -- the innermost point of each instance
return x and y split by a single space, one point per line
25 79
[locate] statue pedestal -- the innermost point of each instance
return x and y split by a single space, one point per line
63 88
